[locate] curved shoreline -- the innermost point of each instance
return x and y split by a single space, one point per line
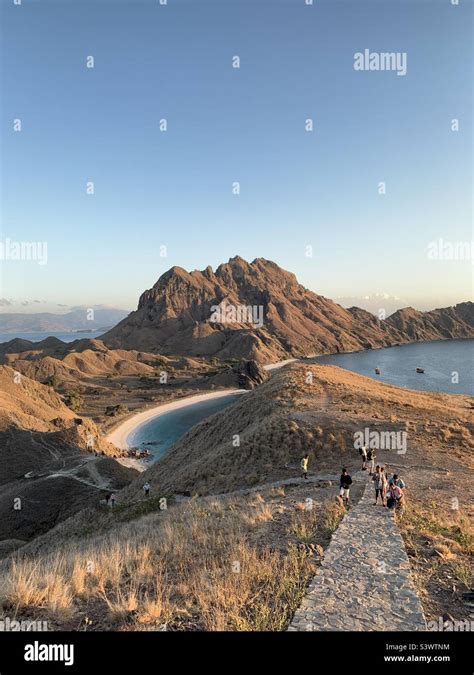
121 433
118 435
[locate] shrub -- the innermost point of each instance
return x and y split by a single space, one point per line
73 400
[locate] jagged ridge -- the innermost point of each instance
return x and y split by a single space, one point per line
174 317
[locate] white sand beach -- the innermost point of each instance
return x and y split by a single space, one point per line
120 435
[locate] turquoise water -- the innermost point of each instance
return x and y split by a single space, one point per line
168 427
440 360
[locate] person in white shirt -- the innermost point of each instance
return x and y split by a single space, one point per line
380 484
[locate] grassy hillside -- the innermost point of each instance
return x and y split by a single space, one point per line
238 563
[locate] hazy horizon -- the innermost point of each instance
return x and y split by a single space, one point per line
372 303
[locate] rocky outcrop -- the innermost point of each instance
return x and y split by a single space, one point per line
244 375
258 311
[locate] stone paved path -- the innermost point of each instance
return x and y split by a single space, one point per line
364 581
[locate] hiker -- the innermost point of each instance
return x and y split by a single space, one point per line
397 481
371 457
380 484
395 499
371 460
112 500
146 489
107 499
344 486
363 454
304 466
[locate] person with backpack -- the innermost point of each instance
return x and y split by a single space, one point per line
380 484
304 466
345 483
395 497
146 489
112 500
371 457
363 454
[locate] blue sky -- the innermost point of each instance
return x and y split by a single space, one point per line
174 188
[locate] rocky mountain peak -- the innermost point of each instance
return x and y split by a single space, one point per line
282 318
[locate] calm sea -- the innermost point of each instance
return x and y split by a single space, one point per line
448 365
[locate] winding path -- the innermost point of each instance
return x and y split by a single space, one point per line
364 582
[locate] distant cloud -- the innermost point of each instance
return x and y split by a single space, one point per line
5 303
381 296
374 302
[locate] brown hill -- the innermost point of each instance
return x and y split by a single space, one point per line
26 404
447 323
53 462
177 315
81 360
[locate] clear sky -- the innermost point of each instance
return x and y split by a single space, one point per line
174 188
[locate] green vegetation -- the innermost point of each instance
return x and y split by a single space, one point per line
73 400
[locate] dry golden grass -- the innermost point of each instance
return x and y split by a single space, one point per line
310 519
304 525
440 544
332 513
191 567
32 585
